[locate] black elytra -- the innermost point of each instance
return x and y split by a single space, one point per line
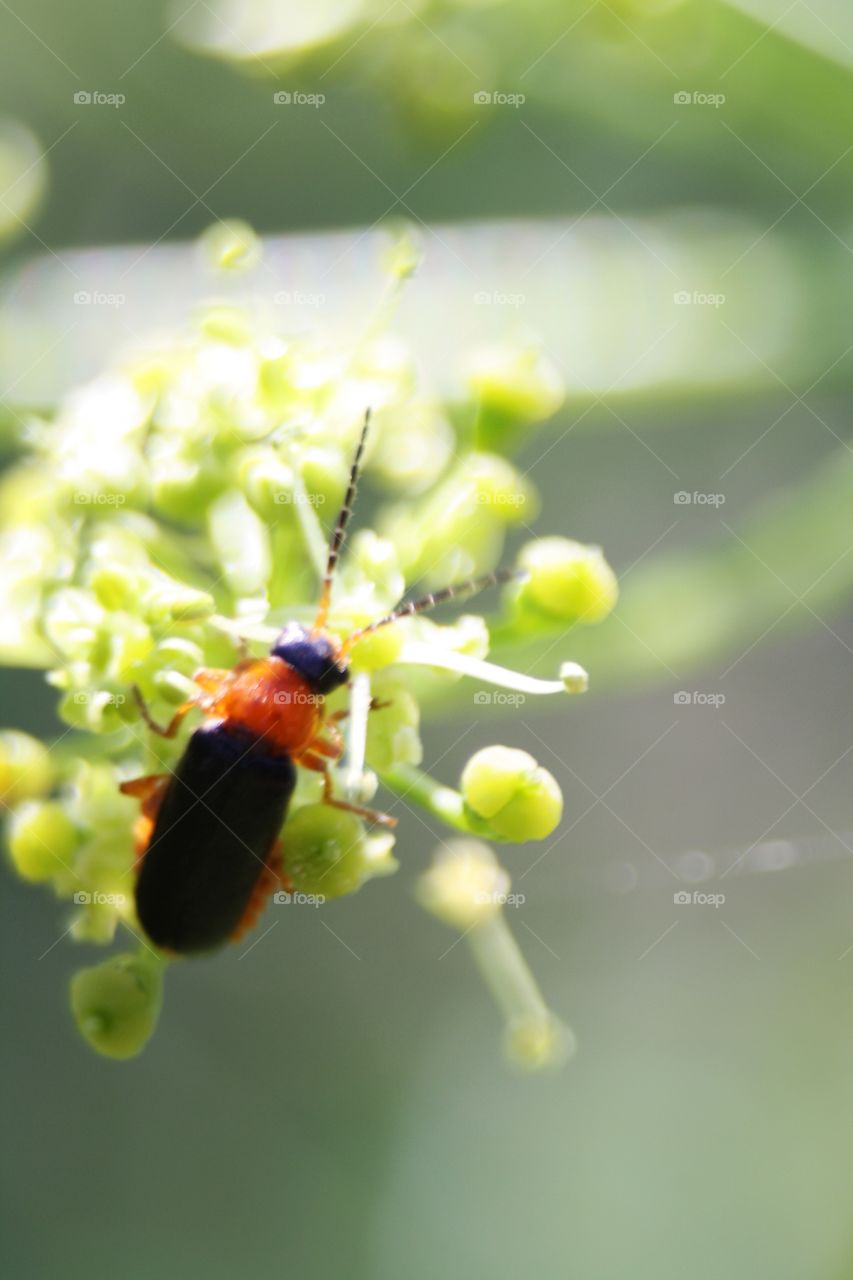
219 819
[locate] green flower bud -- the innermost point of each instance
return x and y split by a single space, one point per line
225 324
98 808
231 246
72 622
116 1004
324 851
324 474
41 840
115 586
402 253
184 486
512 385
98 710
567 582
392 729
128 642
465 884
27 493
504 490
516 797
26 771
372 579
168 600
168 672
268 484
539 1043
415 444
242 544
379 649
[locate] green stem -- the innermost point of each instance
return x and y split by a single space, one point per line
505 971
442 802
534 1038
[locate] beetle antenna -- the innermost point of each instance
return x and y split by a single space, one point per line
339 530
422 605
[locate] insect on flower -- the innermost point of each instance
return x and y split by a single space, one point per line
207 838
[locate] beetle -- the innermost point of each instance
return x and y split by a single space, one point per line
207 837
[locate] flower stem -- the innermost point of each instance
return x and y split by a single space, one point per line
441 801
505 971
534 1037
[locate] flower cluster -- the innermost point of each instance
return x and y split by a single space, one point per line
180 505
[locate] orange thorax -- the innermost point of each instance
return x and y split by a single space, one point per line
273 702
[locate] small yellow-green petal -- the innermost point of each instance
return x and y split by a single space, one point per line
116 1004
41 840
516 797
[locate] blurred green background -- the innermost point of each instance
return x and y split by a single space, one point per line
332 1104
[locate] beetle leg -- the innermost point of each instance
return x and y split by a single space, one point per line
162 731
330 746
376 704
143 788
149 791
318 765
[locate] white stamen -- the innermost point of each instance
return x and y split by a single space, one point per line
573 678
359 710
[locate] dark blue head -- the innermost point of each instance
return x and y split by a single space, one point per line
312 656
